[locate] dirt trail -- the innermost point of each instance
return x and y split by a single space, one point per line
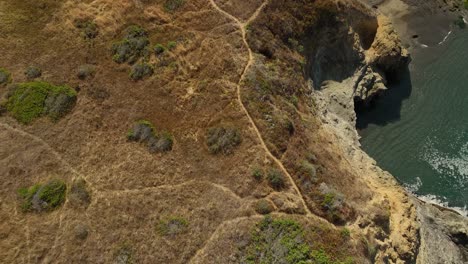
242 27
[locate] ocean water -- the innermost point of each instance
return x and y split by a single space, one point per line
419 130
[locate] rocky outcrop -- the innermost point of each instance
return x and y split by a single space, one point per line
418 232
443 235
387 52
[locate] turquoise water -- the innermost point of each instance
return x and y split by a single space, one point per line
419 130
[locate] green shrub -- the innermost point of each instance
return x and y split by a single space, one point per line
33 72
88 28
5 77
29 101
140 71
257 173
223 140
308 171
161 143
143 131
264 207
173 5
284 241
172 226
159 49
43 197
275 178
79 194
466 4
132 47
171 45
278 241
328 200
345 233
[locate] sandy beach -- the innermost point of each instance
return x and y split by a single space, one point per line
419 23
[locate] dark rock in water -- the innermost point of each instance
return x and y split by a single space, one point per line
415 36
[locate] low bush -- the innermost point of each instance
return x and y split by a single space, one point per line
132 47
172 226
257 173
81 231
5 77
161 143
140 71
144 132
159 49
345 233
223 139
29 101
79 195
33 72
275 178
264 207
171 45
45 197
284 241
88 28
307 171
277 241
173 5
86 71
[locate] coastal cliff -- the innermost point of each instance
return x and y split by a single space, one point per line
203 131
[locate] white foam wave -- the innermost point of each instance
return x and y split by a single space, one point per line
414 187
440 202
424 46
454 165
445 38
433 199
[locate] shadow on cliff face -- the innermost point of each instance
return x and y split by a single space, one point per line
387 107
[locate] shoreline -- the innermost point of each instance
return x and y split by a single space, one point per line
421 27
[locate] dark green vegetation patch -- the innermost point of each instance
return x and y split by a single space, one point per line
47 197
132 47
173 5
275 178
172 226
88 28
32 72
140 71
31 100
223 139
144 132
264 206
5 77
284 241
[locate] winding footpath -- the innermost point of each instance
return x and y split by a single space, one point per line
242 27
